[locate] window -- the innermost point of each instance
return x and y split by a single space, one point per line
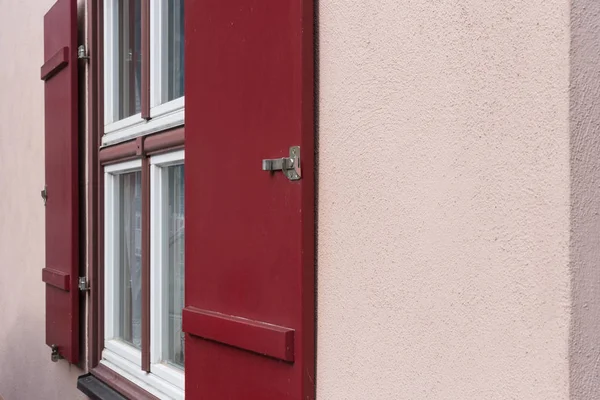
249 286
167 58
167 266
124 273
249 277
123 303
124 83
144 227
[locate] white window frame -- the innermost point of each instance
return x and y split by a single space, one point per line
164 382
162 116
158 268
111 240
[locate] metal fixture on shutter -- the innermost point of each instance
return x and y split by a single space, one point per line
55 356
82 53
83 285
44 194
289 165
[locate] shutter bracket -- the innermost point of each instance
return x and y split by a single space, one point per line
289 165
83 285
44 194
82 53
55 356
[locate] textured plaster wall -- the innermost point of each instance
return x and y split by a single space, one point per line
26 371
444 199
585 193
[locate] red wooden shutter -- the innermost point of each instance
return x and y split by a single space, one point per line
59 73
249 284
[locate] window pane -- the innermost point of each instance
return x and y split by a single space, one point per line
129 58
175 264
172 50
129 328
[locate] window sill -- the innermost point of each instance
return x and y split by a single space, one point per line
95 389
105 384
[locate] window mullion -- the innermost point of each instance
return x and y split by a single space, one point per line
155 263
146 264
109 242
146 46
109 65
132 53
155 52
164 262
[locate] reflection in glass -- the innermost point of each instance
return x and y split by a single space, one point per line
130 258
174 244
129 58
173 50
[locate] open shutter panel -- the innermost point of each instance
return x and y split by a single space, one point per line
249 284
59 73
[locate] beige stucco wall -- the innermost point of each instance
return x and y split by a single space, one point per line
444 200
585 194
26 371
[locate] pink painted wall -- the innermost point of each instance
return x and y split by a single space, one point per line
444 205
585 194
26 371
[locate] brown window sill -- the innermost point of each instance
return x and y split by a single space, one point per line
95 389
105 384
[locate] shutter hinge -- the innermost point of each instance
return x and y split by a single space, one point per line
83 285
44 194
55 356
82 53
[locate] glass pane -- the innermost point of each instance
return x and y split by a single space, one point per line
172 50
174 243
129 328
129 58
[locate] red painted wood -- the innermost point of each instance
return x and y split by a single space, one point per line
58 279
62 209
57 62
96 305
118 152
259 337
164 141
249 233
121 384
92 186
157 143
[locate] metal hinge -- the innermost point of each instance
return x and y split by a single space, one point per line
83 285
82 53
289 165
44 194
55 356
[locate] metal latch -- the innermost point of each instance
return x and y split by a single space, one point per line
83 286
289 165
55 356
44 194
81 53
